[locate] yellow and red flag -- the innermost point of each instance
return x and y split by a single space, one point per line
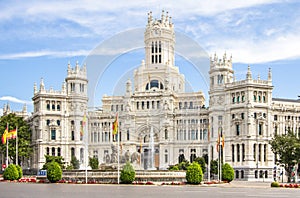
12 134
115 125
83 123
4 136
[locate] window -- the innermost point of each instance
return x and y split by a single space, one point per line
237 175
48 122
166 156
275 117
48 151
266 174
72 87
259 152
166 134
193 155
128 135
72 152
81 87
254 152
58 151
265 152
58 122
72 135
256 174
237 126
232 153
238 152
48 105
53 106
243 152
53 134
53 151
242 115
58 106
260 129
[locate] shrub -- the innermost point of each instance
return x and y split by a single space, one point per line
11 173
194 173
175 167
183 165
54 172
201 162
227 173
20 171
127 174
275 184
94 163
74 162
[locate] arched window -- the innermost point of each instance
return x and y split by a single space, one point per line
242 174
237 175
58 151
53 151
47 151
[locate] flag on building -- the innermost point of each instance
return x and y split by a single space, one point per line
12 134
218 141
4 136
83 123
222 139
208 133
115 125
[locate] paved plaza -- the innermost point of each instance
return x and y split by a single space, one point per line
233 190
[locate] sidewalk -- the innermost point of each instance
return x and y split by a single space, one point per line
247 184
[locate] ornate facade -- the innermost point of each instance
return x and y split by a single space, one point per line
159 122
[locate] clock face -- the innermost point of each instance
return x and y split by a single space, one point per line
156 32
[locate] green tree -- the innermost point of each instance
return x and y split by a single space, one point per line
11 173
194 173
94 163
201 162
127 174
24 138
54 172
57 159
227 172
287 148
214 167
74 162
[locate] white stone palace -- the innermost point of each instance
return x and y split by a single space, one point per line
160 124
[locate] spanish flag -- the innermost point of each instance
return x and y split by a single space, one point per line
4 136
12 134
115 125
83 123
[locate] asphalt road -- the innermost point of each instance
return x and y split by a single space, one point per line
29 190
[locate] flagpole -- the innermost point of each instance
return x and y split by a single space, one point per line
208 155
118 151
17 146
86 148
6 162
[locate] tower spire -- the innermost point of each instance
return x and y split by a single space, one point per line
270 75
249 73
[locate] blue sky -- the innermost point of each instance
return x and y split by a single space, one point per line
39 38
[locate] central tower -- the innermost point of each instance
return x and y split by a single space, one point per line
159 41
158 72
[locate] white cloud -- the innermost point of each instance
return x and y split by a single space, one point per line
41 53
15 100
